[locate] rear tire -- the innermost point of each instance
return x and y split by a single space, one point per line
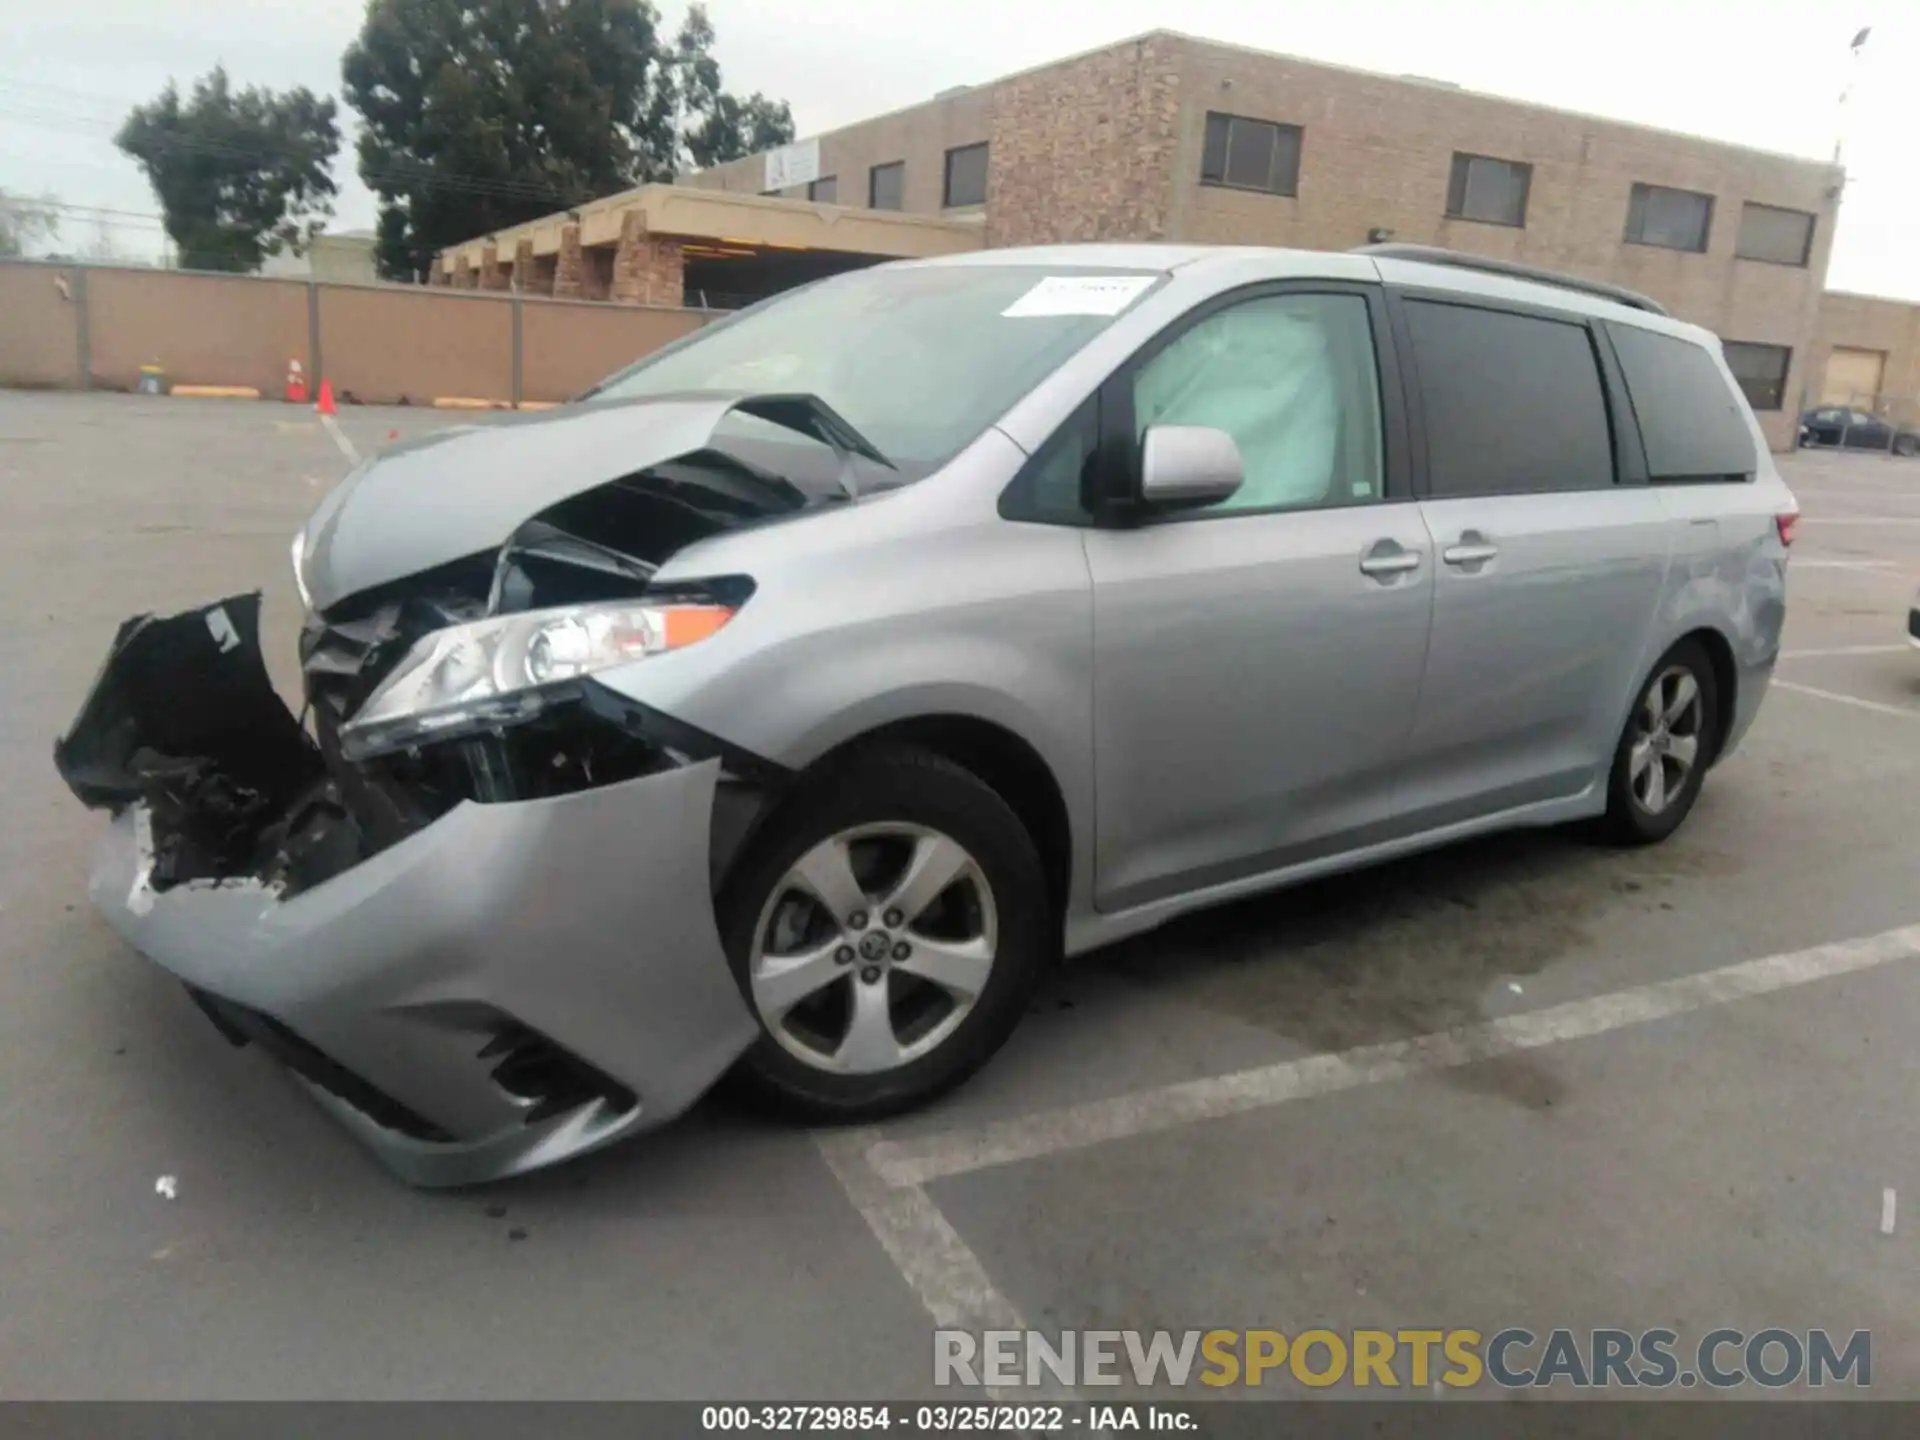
865 1009
1906 445
1664 749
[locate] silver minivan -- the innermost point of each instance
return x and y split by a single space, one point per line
780 709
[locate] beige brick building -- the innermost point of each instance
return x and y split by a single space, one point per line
1165 137
1168 137
1866 354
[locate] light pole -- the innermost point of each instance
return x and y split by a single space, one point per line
1853 72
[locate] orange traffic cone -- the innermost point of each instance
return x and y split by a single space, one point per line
325 403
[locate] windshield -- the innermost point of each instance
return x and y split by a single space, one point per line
919 359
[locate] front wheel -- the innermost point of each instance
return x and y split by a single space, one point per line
1664 749
887 928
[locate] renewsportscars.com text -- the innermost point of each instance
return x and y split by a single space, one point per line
1513 1358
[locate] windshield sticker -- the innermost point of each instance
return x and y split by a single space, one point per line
1079 295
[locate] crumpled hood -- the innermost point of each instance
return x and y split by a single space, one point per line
464 491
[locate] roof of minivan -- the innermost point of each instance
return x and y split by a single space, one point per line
1109 256
1120 256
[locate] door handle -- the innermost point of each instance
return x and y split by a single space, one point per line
1394 562
1468 554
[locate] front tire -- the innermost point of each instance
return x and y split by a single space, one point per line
886 927
1664 749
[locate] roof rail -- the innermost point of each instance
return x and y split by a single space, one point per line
1459 260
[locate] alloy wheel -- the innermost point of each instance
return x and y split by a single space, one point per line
1666 739
873 948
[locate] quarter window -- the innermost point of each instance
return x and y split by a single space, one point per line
1689 416
1293 379
1489 190
1513 403
1761 371
1251 155
1784 237
1673 219
887 185
966 176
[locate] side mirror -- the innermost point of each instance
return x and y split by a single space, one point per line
1182 466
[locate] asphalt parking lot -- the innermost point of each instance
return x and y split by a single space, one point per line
1670 1095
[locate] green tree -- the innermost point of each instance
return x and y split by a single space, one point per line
240 175
719 126
480 114
24 222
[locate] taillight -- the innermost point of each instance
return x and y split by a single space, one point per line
1787 522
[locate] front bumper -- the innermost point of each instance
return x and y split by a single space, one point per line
495 987
580 923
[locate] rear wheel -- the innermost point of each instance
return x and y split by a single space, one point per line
886 929
1906 444
1664 749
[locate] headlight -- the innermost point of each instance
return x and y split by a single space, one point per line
507 669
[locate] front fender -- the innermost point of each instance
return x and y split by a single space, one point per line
992 622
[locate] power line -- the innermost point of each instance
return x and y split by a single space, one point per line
9 82
92 209
402 173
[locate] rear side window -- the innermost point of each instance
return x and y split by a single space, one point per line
1513 402
1693 422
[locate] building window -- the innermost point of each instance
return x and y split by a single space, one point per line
826 190
1767 232
1489 190
966 176
1674 219
1251 155
886 185
1761 371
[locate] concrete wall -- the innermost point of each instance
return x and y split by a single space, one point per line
1871 322
567 347
39 326
202 329
378 344
408 345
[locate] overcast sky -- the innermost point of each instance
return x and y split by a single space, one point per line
1757 72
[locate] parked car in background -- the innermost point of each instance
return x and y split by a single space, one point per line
786 705
1840 425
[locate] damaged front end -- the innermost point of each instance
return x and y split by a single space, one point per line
466 897
183 719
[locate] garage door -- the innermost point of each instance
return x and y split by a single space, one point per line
1853 376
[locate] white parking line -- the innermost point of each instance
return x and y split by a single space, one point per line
340 439
910 1164
1879 707
940 1266
1843 564
886 1179
928 1252
1860 519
